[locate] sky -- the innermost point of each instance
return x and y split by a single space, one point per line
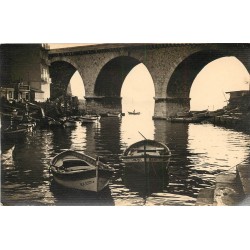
207 91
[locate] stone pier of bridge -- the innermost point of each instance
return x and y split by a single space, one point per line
103 104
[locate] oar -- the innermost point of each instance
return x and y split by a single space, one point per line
142 135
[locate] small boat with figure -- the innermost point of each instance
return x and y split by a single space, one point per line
76 170
146 155
134 113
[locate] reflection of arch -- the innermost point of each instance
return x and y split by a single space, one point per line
112 75
61 73
184 74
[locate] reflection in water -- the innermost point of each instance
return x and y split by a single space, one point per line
64 196
131 124
217 146
198 153
145 184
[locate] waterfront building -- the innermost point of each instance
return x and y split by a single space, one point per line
7 92
26 66
239 99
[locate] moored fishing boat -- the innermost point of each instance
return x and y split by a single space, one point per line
186 119
13 132
113 114
145 155
76 170
89 118
200 114
69 123
54 123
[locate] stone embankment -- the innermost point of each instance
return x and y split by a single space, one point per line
232 188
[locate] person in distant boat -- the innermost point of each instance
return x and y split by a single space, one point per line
134 111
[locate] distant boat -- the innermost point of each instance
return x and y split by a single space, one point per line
216 113
183 114
113 114
69 123
13 132
54 123
134 113
145 155
76 170
27 122
186 119
200 114
89 118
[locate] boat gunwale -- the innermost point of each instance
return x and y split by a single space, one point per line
101 165
141 143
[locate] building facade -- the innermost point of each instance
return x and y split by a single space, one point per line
26 67
239 99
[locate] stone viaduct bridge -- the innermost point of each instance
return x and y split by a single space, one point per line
103 68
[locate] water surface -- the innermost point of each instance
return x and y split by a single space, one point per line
199 152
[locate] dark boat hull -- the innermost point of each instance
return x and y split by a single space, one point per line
186 119
14 135
145 156
146 165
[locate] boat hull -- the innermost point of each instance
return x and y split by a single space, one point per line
146 166
86 182
75 170
89 119
146 155
14 134
186 119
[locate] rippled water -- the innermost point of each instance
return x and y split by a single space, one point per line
199 153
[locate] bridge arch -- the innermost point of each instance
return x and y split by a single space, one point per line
109 82
183 76
112 75
61 71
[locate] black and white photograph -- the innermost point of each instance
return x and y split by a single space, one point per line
125 124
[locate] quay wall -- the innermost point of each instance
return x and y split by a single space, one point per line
232 188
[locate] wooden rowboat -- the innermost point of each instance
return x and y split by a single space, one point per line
89 118
76 170
146 155
14 134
